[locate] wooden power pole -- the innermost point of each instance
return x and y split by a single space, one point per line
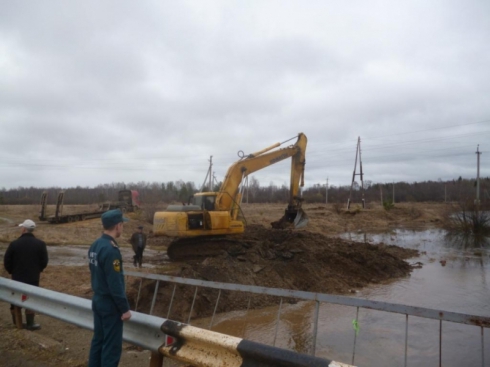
478 153
326 193
209 176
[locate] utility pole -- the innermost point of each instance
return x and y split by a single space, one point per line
215 181
393 191
478 153
360 173
211 173
354 174
209 176
326 193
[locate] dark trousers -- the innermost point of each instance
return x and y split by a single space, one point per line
138 257
106 347
28 312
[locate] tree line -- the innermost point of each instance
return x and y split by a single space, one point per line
179 191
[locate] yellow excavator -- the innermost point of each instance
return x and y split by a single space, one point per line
201 227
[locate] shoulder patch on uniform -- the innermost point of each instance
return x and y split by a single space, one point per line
114 244
117 265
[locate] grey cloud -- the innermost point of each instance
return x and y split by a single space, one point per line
153 89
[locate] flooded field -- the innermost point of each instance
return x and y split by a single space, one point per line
454 276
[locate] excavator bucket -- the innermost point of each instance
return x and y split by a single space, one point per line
292 217
301 219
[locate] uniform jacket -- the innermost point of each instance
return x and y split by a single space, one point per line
134 241
26 258
107 274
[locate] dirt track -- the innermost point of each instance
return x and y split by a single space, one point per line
311 259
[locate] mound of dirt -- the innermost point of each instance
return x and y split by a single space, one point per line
276 258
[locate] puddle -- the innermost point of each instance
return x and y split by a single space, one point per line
71 255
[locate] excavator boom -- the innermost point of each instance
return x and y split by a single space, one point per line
257 161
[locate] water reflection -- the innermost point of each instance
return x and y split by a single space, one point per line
467 241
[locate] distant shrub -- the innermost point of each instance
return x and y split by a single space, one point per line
388 205
469 218
414 212
337 207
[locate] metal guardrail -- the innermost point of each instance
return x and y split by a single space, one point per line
428 313
162 337
327 298
143 330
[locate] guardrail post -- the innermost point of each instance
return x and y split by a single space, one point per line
440 343
154 297
138 296
406 339
18 317
246 314
482 347
171 301
277 322
214 312
356 330
315 328
156 360
192 307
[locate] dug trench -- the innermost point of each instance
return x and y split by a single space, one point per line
275 258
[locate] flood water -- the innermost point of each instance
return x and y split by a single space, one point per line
455 276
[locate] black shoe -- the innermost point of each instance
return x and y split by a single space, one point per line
30 325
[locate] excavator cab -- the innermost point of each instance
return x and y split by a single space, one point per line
204 200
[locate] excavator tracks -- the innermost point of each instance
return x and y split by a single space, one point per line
202 247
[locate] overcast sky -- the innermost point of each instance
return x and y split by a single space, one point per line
95 92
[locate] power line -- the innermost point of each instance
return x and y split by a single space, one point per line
424 130
407 142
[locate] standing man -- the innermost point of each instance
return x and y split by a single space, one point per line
109 303
138 241
25 259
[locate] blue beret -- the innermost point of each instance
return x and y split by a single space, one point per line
112 217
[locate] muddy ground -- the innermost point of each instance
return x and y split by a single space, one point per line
310 259
287 259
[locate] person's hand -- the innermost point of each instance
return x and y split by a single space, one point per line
126 316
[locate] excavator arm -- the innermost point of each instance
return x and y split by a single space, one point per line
229 196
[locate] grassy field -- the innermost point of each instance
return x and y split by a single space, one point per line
326 219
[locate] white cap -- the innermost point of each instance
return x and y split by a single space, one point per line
29 224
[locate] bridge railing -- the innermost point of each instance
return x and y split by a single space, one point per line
164 338
481 322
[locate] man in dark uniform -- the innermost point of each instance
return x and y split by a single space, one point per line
109 303
25 259
138 242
